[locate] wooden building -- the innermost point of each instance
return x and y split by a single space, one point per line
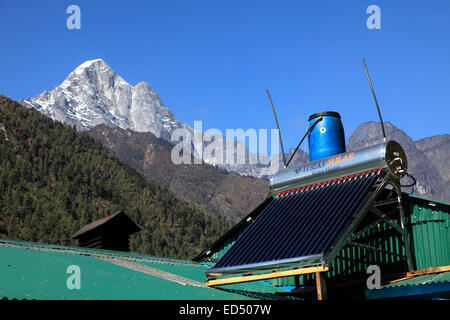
110 233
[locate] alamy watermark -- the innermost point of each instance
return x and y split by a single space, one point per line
230 149
374 280
74 280
74 20
374 20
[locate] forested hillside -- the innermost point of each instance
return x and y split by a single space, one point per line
54 180
213 190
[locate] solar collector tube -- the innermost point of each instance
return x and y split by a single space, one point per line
348 204
258 230
305 216
300 202
335 213
276 234
367 185
269 220
321 215
304 200
336 209
310 226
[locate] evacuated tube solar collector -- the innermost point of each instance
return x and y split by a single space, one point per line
314 202
301 227
315 207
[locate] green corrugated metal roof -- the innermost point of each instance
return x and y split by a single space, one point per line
421 280
432 285
38 271
428 199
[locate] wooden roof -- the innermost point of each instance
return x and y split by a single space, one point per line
119 220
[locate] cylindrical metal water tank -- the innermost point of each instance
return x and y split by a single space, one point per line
387 155
327 138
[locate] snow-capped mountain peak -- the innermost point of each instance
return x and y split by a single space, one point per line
93 94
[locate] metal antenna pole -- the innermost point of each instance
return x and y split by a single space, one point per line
306 134
278 126
375 98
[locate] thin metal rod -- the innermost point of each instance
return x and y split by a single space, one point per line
384 216
278 126
376 249
370 226
375 98
406 239
298 146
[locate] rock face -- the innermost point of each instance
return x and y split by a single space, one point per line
428 159
214 190
94 94
437 150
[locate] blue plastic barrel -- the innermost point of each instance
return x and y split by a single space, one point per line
327 137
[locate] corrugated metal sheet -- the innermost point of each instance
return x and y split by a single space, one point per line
300 225
421 280
38 271
429 226
433 285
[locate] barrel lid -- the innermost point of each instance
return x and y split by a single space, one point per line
325 113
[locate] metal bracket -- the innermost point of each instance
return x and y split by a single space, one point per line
352 243
383 216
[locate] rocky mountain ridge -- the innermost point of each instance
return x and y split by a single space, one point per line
93 94
428 158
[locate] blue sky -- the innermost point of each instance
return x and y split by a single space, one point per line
213 60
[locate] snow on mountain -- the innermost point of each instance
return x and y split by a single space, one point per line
94 94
